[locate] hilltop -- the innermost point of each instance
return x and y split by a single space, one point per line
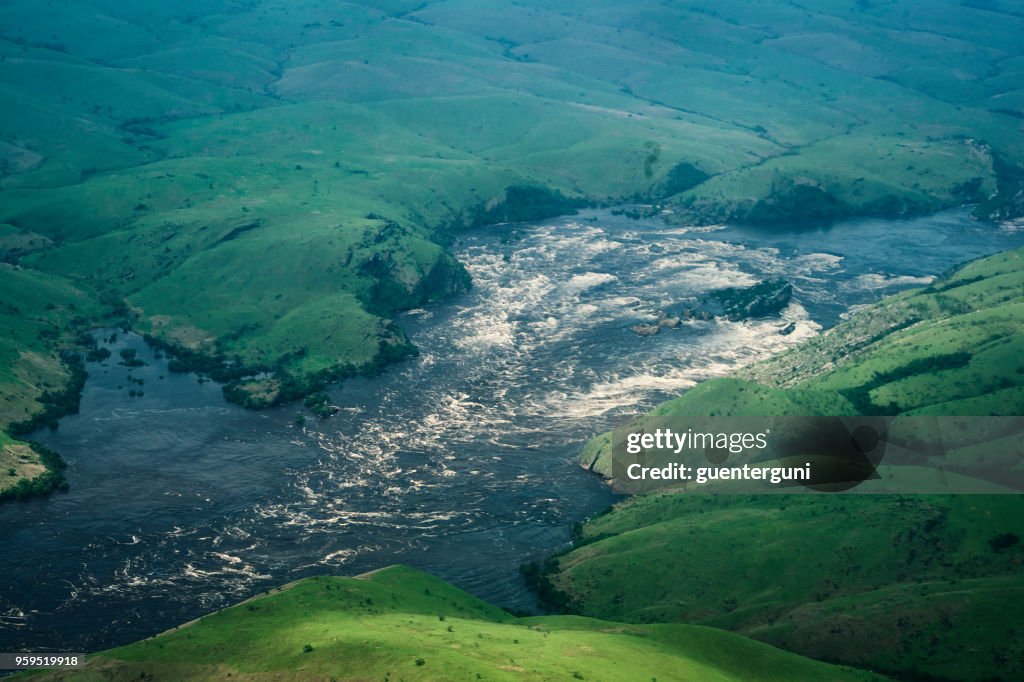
398 623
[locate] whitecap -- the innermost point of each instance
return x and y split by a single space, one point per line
872 281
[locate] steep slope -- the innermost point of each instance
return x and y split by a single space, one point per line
398 623
916 586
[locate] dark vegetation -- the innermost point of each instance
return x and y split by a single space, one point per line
521 203
797 203
1008 202
537 576
860 396
680 177
764 298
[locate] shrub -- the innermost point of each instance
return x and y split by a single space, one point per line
1003 541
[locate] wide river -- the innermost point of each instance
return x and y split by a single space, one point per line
459 462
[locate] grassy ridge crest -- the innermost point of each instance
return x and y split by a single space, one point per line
399 623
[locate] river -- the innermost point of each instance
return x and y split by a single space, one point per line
459 462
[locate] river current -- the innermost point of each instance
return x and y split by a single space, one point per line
459 462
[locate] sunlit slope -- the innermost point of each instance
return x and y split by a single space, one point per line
917 586
951 348
264 185
402 624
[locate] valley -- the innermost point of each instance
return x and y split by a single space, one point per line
291 291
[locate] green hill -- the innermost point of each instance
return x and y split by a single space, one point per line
398 623
916 586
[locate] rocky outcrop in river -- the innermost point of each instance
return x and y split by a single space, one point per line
764 298
768 297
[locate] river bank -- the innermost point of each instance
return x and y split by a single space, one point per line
181 503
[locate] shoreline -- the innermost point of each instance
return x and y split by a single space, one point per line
216 367
289 389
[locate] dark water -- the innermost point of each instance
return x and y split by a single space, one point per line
459 462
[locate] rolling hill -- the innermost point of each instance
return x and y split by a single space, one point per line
398 623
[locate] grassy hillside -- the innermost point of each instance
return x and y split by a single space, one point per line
951 348
955 347
263 185
398 623
916 586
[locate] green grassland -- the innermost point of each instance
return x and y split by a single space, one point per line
916 586
880 359
907 585
263 185
400 624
